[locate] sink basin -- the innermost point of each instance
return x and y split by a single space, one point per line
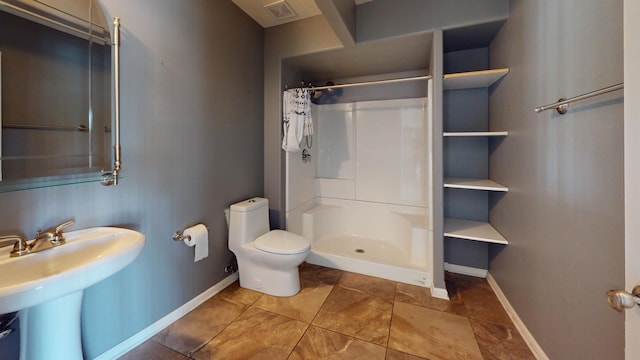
90 255
46 287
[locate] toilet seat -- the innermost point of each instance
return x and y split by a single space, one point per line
282 242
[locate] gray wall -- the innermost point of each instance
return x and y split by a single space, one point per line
297 38
388 18
347 10
341 15
564 213
192 138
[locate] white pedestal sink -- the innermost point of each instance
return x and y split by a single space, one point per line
46 287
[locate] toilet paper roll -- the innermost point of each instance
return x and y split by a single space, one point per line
198 236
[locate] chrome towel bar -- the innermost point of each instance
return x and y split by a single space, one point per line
562 104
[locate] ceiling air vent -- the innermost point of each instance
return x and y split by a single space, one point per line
280 10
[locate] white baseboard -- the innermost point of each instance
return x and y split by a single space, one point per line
466 270
457 269
137 339
440 293
517 322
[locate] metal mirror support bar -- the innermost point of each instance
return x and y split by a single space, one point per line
111 178
562 104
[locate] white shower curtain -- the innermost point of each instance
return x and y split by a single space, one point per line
296 118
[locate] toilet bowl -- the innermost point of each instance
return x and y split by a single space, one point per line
267 260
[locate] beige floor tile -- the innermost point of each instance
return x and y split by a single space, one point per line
370 285
320 344
480 301
499 341
432 334
303 306
238 294
319 273
360 315
195 329
421 296
256 334
398 355
152 350
453 291
356 314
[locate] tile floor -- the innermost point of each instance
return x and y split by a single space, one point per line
342 315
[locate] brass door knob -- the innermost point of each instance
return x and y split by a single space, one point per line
621 300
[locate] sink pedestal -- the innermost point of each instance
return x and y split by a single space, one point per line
46 287
51 330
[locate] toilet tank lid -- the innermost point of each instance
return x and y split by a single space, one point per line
282 242
250 204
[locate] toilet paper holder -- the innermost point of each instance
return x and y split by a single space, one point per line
180 236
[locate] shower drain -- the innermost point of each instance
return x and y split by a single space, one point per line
360 251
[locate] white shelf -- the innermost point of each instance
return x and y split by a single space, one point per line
473 79
474 184
472 230
476 133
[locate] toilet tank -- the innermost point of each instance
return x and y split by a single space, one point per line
247 220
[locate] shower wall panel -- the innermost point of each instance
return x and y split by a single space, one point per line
373 151
300 188
391 152
335 138
335 153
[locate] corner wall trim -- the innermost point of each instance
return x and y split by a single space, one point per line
137 339
466 270
439 293
517 322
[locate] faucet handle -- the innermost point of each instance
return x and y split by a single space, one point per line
54 234
20 246
58 238
64 225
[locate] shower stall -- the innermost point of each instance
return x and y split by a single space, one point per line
364 197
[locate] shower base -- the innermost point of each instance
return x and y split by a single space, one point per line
368 257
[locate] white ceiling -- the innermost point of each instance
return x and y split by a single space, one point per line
302 8
407 53
401 54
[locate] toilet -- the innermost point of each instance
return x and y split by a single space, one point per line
267 260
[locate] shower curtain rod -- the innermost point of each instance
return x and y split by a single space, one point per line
374 82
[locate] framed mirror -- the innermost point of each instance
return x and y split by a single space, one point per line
55 93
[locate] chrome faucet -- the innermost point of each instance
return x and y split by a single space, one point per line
46 239
20 246
52 237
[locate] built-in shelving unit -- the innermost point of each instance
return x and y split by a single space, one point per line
474 184
467 229
472 230
473 79
475 133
